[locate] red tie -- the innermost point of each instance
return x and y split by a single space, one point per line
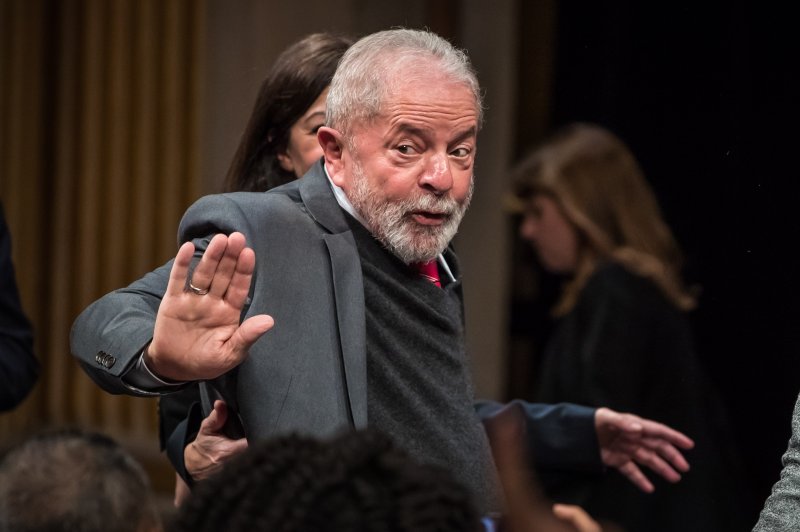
429 270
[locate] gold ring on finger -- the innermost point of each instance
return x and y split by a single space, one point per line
196 290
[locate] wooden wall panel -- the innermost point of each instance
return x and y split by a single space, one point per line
98 149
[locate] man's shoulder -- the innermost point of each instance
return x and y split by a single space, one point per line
247 212
251 203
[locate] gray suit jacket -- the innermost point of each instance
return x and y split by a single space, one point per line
308 373
307 272
782 510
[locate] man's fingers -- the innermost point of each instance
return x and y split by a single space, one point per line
239 285
635 475
668 453
227 265
238 446
658 430
577 517
657 464
203 273
180 269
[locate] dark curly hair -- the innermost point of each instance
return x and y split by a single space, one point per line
358 481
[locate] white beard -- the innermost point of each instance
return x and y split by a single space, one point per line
391 222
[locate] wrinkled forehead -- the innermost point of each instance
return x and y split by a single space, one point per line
402 70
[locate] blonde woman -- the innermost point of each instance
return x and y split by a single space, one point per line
622 337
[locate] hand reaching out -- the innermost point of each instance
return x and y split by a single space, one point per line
197 333
211 448
627 439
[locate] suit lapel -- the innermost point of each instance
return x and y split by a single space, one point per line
348 287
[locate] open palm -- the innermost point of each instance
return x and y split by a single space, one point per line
197 332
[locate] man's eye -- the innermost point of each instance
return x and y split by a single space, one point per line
405 149
460 152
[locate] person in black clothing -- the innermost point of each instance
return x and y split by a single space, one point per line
622 337
18 366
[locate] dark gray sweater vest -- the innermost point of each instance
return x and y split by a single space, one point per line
419 390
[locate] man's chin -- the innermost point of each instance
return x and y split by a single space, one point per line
419 251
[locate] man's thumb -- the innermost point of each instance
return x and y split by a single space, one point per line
251 330
216 419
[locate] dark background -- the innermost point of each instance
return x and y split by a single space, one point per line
706 96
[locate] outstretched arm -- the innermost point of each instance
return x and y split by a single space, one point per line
556 436
576 438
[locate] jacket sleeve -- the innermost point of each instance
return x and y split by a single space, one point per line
183 434
558 437
108 336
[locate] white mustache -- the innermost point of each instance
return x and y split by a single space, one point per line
442 205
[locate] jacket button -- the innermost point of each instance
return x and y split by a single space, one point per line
104 359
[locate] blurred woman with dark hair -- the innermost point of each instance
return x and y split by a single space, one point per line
280 141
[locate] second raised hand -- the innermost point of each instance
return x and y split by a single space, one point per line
197 332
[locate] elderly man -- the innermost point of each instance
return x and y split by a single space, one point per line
355 273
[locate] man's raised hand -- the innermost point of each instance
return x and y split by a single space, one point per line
197 332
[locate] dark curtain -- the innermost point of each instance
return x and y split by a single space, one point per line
706 94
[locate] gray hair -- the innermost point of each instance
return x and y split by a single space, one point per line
362 80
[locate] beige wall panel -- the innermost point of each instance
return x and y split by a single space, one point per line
489 34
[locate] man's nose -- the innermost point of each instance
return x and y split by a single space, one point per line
437 175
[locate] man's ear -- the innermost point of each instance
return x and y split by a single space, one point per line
332 144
